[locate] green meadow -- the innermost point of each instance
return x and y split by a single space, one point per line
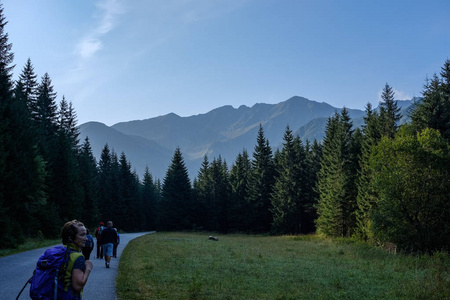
190 266
29 244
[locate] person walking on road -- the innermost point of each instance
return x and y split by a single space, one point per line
107 239
98 233
116 244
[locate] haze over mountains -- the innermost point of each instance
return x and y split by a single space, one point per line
224 131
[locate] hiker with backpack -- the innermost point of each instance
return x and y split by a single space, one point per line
88 246
62 272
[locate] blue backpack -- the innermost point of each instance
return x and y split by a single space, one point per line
89 241
47 281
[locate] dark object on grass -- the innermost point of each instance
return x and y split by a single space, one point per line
213 238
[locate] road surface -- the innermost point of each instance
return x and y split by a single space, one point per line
16 269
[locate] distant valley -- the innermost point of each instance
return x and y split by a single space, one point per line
224 131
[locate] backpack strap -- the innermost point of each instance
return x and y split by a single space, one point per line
21 291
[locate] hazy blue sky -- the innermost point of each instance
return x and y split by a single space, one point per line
121 60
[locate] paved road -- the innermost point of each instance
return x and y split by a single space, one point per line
16 269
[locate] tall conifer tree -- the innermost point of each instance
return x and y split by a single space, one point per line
260 186
336 186
219 206
175 207
288 199
21 168
434 109
150 201
89 185
367 196
29 84
239 180
389 112
202 195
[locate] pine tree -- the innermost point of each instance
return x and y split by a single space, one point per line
336 185
219 206
67 192
130 208
46 116
389 113
108 187
239 180
149 195
89 185
29 84
313 157
367 196
67 122
202 196
288 199
22 172
175 206
434 109
260 186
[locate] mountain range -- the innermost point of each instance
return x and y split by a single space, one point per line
223 131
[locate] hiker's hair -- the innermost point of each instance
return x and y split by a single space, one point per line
69 231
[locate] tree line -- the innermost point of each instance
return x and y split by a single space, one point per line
383 182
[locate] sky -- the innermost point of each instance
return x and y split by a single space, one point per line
123 60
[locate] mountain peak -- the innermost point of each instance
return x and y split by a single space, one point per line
223 131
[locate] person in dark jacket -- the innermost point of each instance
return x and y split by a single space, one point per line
116 244
107 239
98 233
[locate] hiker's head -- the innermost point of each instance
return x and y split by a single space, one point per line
110 224
102 224
73 232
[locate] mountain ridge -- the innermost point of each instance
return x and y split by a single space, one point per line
224 131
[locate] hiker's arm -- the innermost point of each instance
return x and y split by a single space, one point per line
79 278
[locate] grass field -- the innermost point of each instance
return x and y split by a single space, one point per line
189 266
30 244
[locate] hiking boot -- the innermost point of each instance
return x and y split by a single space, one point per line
107 265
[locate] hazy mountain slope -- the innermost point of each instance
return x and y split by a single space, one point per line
208 133
140 152
224 131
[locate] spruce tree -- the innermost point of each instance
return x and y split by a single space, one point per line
219 206
46 116
22 169
130 209
288 199
239 179
336 185
202 196
434 109
313 156
260 186
89 184
29 84
367 196
150 201
389 113
175 206
107 185
67 192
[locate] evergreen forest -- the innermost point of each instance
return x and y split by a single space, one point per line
379 183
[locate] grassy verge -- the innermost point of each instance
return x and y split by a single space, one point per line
189 266
29 244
